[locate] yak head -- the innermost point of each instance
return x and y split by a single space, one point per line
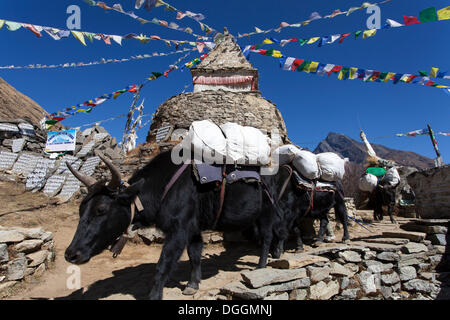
104 215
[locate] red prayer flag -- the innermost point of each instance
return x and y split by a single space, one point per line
33 29
296 64
429 83
335 69
343 36
410 20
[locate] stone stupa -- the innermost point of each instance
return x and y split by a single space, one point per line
225 90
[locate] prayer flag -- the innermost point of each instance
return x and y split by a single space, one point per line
343 36
410 20
357 33
369 33
444 13
312 40
79 36
428 15
434 72
297 63
394 24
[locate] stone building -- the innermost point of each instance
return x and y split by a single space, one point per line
225 90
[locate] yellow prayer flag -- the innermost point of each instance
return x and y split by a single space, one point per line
369 33
313 67
267 41
305 23
258 30
277 54
341 75
2 22
366 5
312 40
389 76
444 13
434 72
353 73
79 36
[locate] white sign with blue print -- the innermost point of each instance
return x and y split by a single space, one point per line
61 141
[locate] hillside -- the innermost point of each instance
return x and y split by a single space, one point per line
16 105
355 151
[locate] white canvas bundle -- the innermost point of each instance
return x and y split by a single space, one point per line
285 154
235 141
331 165
392 177
306 163
368 182
256 146
208 141
246 145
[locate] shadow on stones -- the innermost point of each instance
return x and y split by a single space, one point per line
137 281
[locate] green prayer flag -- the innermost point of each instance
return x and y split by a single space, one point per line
428 15
303 65
423 73
303 41
357 33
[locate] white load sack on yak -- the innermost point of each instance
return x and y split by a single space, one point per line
332 166
285 154
368 182
246 145
208 141
392 177
306 163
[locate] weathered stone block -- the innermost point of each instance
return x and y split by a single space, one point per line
28 246
388 256
407 273
367 282
390 278
11 236
317 274
298 294
262 277
37 258
350 256
295 261
418 285
324 291
337 269
413 236
16 269
4 256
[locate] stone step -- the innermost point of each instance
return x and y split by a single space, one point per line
295 261
410 235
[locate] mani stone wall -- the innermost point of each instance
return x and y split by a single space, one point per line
432 190
246 109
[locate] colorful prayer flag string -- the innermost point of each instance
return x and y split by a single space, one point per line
325 40
150 4
94 63
308 66
118 8
313 17
58 34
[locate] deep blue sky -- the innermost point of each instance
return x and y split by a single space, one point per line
311 105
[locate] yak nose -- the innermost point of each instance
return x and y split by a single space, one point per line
72 256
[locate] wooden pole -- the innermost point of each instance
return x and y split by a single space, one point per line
439 161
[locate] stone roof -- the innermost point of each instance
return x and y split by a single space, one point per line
227 55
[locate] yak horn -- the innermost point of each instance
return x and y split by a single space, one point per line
116 177
87 180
